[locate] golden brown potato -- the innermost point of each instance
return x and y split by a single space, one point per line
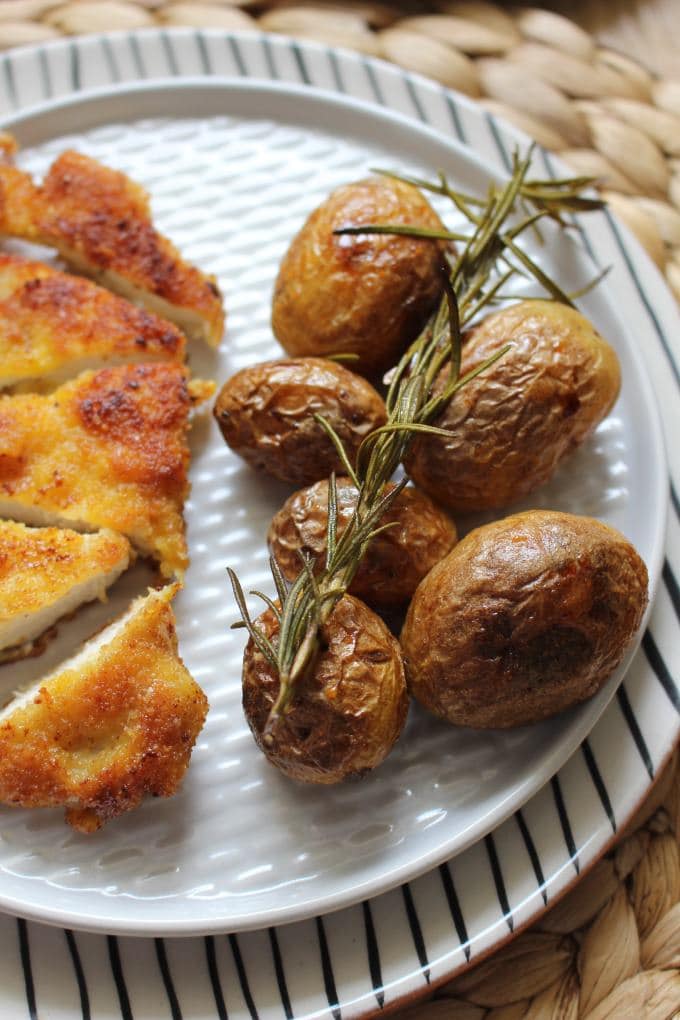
396 560
514 423
266 415
364 294
526 617
347 713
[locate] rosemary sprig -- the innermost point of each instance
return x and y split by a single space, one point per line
490 256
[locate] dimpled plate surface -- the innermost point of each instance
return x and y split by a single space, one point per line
240 846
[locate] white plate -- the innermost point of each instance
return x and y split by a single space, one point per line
240 847
231 187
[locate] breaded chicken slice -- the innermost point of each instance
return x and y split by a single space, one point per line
46 573
53 326
113 724
100 223
106 450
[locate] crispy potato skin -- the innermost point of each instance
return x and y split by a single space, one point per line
396 560
346 716
515 422
266 415
365 294
526 617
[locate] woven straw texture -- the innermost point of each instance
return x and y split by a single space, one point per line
610 950
605 113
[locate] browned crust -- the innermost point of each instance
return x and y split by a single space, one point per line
19 202
101 219
32 649
8 146
39 566
100 738
347 713
49 319
109 449
526 617
419 535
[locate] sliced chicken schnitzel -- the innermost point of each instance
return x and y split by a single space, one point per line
113 724
100 223
46 573
106 450
53 325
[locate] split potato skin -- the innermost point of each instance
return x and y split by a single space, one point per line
347 713
266 415
364 294
396 560
514 423
524 618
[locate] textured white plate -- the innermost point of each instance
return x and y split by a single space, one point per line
394 947
240 846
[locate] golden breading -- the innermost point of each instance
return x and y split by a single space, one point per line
115 723
53 325
107 450
46 573
100 222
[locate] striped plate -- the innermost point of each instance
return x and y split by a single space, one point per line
389 948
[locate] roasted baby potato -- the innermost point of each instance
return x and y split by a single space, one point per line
266 415
524 618
364 294
396 560
513 424
348 711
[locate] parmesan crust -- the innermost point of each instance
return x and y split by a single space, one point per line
107 450
46 573
114 724
53 326
100 222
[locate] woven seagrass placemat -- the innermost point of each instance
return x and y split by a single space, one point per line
598 88
607 114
